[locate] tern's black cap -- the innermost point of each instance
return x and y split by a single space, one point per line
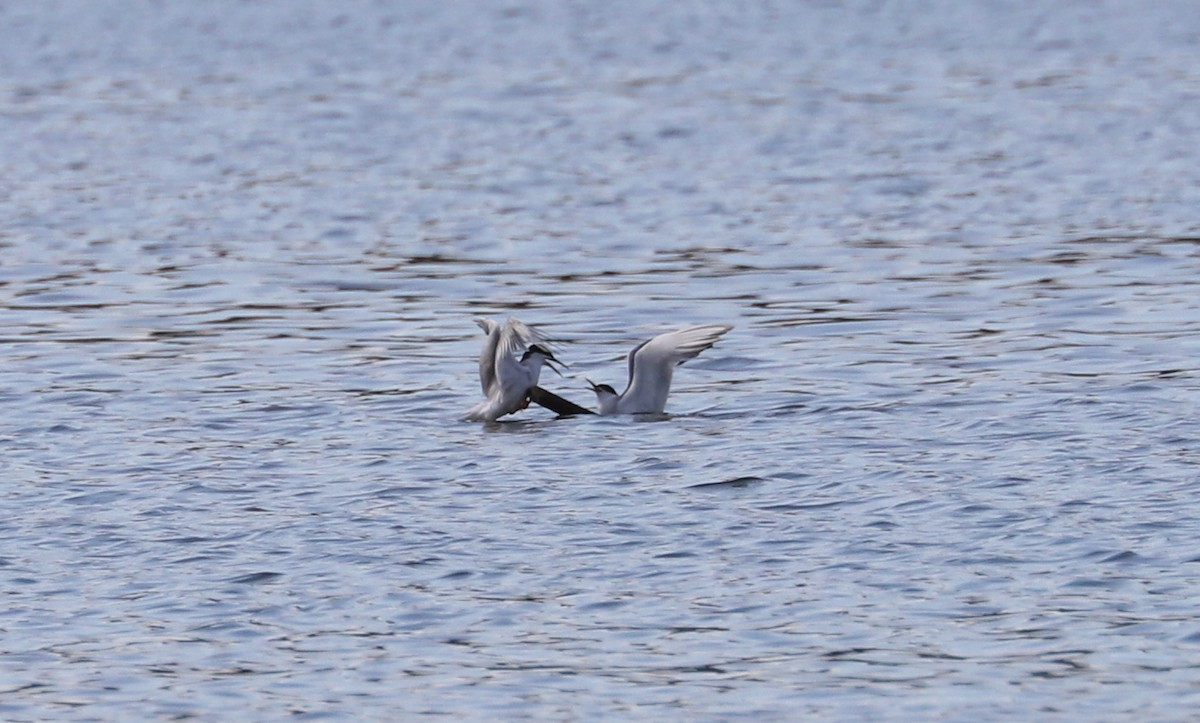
537 349
602 388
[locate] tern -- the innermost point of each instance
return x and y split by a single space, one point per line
651 365
506 382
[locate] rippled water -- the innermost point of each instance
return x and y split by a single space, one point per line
944 466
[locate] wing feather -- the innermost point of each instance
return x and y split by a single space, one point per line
487 357
632 359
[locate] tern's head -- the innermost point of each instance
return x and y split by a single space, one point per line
541 355
604 393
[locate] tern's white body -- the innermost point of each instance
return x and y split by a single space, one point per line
651 366
505 380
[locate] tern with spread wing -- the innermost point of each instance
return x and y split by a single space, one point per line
506 382
651 365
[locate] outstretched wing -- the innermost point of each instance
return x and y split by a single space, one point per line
652 364
487 357
503 342
514 338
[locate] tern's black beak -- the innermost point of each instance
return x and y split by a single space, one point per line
554 364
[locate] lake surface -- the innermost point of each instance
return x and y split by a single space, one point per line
944 467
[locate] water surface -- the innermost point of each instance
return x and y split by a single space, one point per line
944 466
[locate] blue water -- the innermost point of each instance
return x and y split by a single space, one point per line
944 467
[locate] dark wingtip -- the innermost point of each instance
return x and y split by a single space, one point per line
555 403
